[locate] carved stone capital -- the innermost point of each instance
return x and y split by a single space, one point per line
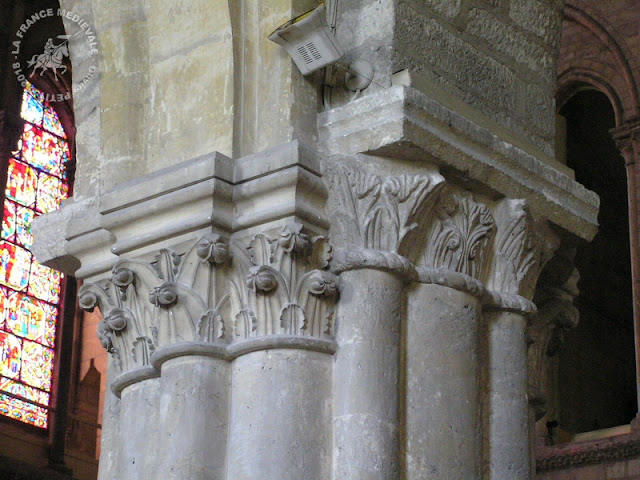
214 298
376 212
627 137
459 235
522 247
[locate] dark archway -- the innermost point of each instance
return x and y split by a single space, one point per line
597 365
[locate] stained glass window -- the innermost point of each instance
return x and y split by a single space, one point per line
30 293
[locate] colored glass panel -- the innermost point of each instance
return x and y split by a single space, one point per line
29 307
3 308
21 183
44 283
50 323
10 355
51 122
24 217
32 110
15 263
26 317
24 391
51 192
44 151
9 221
37 365
23 411
33 91
16 224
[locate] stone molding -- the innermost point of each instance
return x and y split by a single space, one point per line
179 203
491 300
220 299
612 449
345 260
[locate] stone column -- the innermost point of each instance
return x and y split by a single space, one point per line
521 249
556 315
509 449
372 215
193 417
281 373
442 409
627 137
366 376
109 466
443 421
139 438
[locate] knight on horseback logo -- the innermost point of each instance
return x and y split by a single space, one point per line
52 57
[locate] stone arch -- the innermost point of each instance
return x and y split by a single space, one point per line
577 79
615 80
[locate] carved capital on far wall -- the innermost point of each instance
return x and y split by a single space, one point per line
627 137
219 294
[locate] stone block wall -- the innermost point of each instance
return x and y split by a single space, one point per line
496 55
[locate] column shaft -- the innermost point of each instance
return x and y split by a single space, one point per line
442 421
139 408
193 426
280 416
366 377
110 435
509 451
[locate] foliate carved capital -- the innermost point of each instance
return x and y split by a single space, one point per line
522 247
374 212
217 293
459 235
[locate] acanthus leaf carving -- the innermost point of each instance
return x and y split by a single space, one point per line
522 248
216 293
289 291
459 235
379 213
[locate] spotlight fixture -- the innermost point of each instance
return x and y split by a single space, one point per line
309 41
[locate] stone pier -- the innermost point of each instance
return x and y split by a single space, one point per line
300 282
